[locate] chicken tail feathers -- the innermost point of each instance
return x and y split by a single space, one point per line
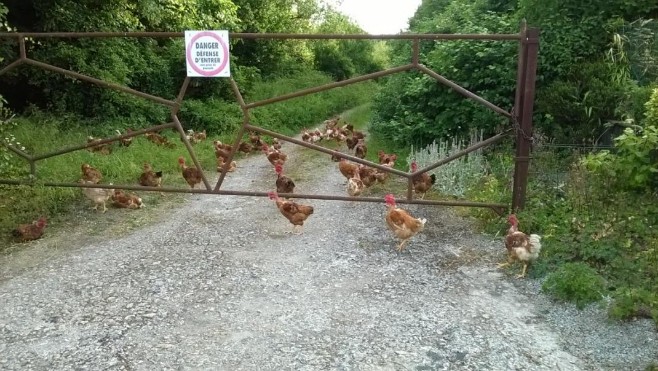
433 178
535 243
16 233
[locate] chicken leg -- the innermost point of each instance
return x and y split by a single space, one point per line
401 245
296 230
510 260
525 267
97 205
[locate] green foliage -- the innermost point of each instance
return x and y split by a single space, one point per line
575 282
154 66
343 59
275 58
216 116
494 186
306 111
634 165
415 108
581 104
634 302
574 32
3 15
651 105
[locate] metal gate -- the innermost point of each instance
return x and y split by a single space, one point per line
520 117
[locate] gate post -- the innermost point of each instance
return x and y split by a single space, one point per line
523 109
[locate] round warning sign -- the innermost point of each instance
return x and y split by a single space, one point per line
207 53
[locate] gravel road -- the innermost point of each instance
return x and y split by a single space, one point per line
218 284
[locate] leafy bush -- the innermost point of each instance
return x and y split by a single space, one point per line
635 302
494 186
582 103
343 59
575 282
415 108
652 109
634 165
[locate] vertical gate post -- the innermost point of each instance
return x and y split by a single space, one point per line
523 110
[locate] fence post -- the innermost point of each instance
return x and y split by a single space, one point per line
523 109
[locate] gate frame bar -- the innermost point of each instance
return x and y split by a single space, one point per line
520 116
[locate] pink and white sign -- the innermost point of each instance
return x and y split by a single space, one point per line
207 53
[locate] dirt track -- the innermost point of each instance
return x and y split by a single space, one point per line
218 284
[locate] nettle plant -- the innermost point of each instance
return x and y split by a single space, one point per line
456 177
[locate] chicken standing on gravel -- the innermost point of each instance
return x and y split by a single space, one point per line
520 246
403 225
283 183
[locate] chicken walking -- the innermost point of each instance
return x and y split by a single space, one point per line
520 246
403 225
294 212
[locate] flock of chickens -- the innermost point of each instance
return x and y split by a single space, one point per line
404 226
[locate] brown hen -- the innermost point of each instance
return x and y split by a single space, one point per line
520 246
192 175
150 178
422 182
403 225
126 200
90 174
29 232
294 212
347 168
283 183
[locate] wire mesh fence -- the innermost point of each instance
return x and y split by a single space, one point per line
557 173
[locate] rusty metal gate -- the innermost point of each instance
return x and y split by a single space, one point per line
520 117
